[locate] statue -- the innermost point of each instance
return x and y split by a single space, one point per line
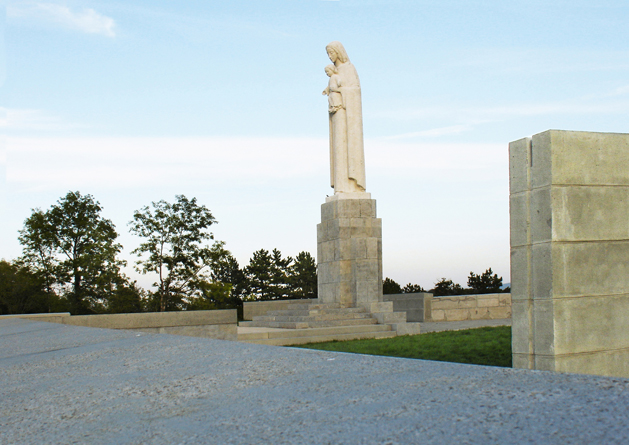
347 158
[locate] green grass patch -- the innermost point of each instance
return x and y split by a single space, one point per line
481 346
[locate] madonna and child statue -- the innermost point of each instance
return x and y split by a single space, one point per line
349 237
347 158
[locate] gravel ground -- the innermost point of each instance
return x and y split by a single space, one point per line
68 384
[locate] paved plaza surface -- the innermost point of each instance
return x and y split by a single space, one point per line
68 384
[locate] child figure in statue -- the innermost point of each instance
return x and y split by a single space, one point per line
333 90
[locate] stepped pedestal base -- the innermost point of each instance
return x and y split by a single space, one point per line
349 253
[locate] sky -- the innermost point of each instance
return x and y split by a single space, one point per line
138 101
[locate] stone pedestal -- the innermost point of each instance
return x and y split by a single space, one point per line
569 206
349 252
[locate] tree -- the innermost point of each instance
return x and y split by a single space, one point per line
302 276
446 287
174 249
391 287
267 276
73 249
485 283
227 271
412 289
21 291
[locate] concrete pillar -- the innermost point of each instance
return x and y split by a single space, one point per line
569 208
349 253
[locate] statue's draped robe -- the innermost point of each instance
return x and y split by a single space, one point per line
347 158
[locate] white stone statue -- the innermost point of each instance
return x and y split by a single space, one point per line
347 157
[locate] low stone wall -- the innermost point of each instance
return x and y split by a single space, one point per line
252 309
218 324
471 307
424 307
417 306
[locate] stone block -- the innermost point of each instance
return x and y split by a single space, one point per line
373 247
522 361
358 248
458 314
519 219
406 328
487 302
367 208
382 306
541 221
495 313
519 160
456 302
365 269
520 272
479 313
346 270
390 317
542 271
541 161
543 327
344 249
590 324
590 213
367 291
593 268
582 158
437 315
521 335
614 363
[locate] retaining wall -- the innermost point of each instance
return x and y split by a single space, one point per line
217 324
252 309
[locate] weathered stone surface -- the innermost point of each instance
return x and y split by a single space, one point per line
349 253
570 252
67 384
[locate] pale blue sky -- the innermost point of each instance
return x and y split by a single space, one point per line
137 101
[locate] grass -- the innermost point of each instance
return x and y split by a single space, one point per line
481 346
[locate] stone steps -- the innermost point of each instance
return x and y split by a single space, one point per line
308 324
310 312
287 337
313 317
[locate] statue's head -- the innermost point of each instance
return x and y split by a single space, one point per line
330 70
336 51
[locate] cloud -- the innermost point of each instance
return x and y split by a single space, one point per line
435 132
476 115
87 20
126 162
26 119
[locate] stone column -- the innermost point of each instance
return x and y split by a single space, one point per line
569 207
349 252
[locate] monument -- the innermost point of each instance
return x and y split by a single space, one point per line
349 238
569 207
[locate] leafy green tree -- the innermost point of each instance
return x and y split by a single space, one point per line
21 291
258 274
302 276
174 249
445 287
485 283
126 297
214 295
73 249
228 271
391 287
412 289
267 275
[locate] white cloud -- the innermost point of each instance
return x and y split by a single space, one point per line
435 132
87 20
476 115
26 119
